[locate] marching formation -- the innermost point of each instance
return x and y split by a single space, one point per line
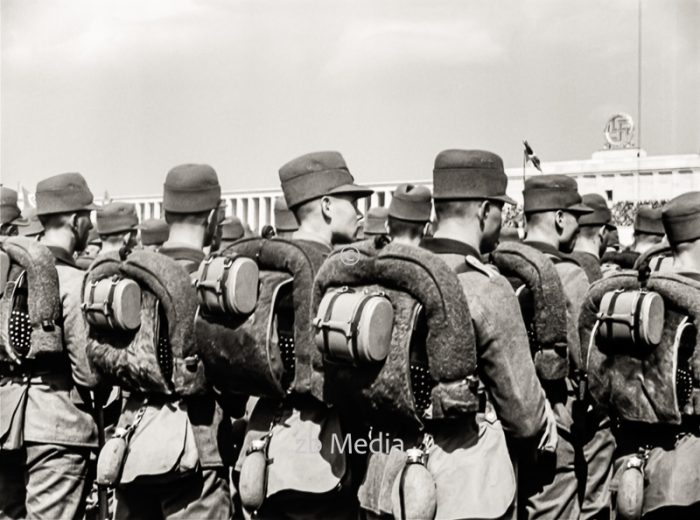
417 363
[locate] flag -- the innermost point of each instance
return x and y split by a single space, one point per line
27 198
530 157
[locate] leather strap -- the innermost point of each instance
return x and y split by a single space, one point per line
357 316
402 498
636 317
611 310
326 317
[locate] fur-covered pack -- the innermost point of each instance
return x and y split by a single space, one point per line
396 336
30 306
141 312
543 303
269 352
642 363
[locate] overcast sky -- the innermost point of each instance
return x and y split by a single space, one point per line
123 90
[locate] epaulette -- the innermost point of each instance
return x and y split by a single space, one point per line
478 265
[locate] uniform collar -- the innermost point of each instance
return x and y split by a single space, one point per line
544 248
300 234
178 251
446 246
62 256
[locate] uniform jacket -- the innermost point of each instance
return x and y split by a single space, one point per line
504 361
58 409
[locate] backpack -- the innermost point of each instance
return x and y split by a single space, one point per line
268 350
543 304
30 305
639 340
396 337
590 265
141 312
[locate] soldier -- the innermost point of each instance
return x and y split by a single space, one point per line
117 225
375 222
9 212
47 400
409 214
190 200
648 229
580 486
681 221
469 194
593 234
285 221
231 229
154 232
322 194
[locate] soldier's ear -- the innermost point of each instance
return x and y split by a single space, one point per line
484 209
326 206
559 220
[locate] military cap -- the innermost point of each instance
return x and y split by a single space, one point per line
9 210
191 188
681 218
116 217
154 232
316 175
601 214
63 193
410 202
553 193
284 217
232 229
469 174
31 225
375 221
648 221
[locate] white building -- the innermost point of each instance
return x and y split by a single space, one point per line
618 174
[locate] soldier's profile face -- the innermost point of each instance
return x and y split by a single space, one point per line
342 213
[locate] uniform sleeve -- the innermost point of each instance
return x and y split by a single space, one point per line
75 329
505 363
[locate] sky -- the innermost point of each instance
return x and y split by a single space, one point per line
123 90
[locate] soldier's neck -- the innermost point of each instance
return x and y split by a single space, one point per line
536 234
460 230
585 245
314 231
187 234
59 237
687 258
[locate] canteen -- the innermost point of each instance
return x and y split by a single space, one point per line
113 304
253 478
110 462
631 316
227 285
354 327
630 494
414 495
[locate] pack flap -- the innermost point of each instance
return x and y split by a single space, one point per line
450 343
44 302
302 262
538 273
682 294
